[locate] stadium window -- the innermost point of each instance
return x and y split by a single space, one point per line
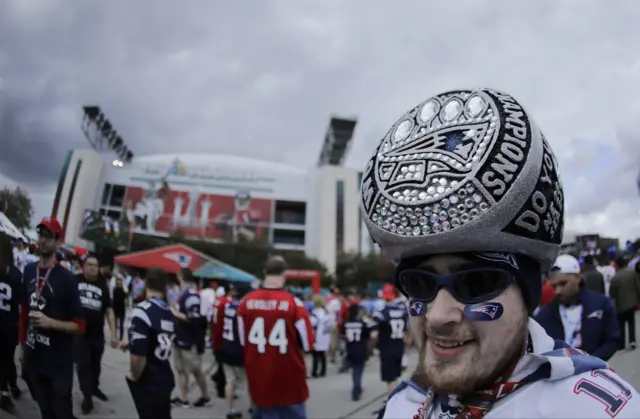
114 215
290 212
117 196
290 237
106 194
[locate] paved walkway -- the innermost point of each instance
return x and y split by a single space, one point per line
330 396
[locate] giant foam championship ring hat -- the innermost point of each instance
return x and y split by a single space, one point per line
464 171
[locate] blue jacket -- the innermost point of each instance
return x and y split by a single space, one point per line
600 329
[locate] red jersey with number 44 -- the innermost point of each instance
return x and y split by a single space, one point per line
275 330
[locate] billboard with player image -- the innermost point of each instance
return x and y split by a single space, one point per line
160 210
588 244
105 231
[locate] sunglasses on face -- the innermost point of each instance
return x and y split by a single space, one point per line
468 286
45 234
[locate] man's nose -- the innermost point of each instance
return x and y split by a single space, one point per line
444 310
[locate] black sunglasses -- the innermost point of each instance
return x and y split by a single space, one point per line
468 286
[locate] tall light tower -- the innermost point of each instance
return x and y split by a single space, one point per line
100 133
336 141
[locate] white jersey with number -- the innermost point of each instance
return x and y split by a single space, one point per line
598 393
322 323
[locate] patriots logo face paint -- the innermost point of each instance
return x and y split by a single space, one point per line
483 311
417 308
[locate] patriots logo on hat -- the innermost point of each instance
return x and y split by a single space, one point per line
183 259
504 257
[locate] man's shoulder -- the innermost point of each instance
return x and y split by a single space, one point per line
597 299
593 394
64 274
30 269
404 401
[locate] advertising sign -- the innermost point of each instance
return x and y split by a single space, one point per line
588 244
160 210
105 231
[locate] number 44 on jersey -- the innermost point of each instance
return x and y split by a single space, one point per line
276 337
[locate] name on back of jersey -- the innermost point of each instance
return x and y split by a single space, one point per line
167 326
394 314
268 305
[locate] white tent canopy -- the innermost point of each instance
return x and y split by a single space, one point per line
7 227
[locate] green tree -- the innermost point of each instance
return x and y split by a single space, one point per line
16 205
354 270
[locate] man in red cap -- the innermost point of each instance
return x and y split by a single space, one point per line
51 315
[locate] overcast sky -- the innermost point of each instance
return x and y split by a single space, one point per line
262 78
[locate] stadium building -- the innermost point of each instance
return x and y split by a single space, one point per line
216 197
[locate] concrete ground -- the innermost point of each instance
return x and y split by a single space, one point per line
330 396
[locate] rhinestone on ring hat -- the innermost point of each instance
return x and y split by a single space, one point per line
447 213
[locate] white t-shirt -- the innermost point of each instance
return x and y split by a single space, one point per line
333 307
572 324
607 272
322 323
207 298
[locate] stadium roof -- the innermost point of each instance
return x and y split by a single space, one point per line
204 159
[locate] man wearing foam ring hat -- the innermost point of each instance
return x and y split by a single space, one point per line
584 319
463 194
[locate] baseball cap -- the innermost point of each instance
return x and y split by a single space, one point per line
51 224
566 264
388 292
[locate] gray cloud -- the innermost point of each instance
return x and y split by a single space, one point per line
28 143
262 80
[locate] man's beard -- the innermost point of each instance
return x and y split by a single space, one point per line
44 254
473 379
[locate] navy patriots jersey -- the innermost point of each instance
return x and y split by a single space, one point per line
392 323
189 333
11 291
357 334
151 335
49 351
232 351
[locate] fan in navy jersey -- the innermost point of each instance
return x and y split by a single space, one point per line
392 322
151 337
359 331
10 297
51 314
187 356
232 354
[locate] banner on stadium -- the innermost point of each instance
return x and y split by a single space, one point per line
588 244
226 218
105 231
